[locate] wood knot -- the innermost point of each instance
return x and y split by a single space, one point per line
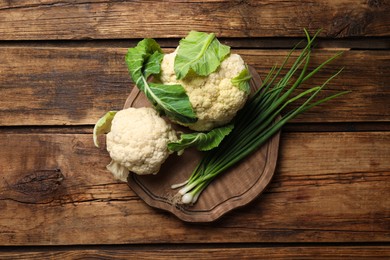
40 183
375 3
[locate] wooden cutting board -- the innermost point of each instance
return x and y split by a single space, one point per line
232 189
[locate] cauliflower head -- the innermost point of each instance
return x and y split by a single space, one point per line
138 142
214 98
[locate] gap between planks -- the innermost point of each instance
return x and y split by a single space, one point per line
290 127
357 43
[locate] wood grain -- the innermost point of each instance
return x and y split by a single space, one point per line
76 86
101 19
221 252
62 67
329 187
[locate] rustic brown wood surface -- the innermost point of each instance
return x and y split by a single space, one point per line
62 66
56 191
228 252
100 19
37 89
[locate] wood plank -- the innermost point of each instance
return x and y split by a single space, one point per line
75 86
329 187
99 19
46 86
224 252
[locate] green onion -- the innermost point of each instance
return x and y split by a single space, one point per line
260 119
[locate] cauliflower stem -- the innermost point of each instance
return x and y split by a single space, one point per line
119 171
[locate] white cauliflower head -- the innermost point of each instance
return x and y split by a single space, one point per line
214 98
138 142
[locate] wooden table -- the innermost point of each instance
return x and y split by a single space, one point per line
62 67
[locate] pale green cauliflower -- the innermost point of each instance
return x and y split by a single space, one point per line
137 142
214 98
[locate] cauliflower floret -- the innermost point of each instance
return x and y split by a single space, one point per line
214 98
138 141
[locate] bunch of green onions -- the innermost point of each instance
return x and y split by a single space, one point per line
259 120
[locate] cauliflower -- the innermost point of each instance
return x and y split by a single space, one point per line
214 98
201 85
137 142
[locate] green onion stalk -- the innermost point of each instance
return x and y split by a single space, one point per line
260 119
